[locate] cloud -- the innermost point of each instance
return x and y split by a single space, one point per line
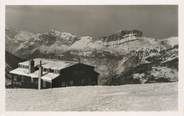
154 21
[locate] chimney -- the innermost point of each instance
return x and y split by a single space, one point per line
40 73
31 66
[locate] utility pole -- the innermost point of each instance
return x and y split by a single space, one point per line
39 82
40 75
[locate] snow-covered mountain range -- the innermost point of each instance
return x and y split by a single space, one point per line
118 55
24 43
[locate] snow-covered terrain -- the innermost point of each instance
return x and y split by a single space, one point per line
49 42
86 43
118 61
57 42
137 97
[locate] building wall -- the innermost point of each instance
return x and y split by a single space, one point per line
77 75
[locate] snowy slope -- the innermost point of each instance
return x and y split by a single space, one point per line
134 97
87 43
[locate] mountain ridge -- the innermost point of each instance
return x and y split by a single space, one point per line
117 57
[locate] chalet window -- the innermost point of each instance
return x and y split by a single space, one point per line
18 78
56 71
71 83
15 78
82 81
46 70
51 70
63 84
24 66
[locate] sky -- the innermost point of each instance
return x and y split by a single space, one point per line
158 21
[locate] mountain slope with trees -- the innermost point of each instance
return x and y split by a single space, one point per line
122 57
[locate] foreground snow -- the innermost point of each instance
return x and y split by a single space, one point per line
135 97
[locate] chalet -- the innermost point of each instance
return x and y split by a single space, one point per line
44 73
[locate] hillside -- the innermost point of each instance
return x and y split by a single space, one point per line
116 57
135 97
11 63
12 60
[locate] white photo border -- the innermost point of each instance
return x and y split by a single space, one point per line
180 4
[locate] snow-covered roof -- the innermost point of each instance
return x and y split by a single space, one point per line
24 72
35 74
49 76
50 63
20 71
